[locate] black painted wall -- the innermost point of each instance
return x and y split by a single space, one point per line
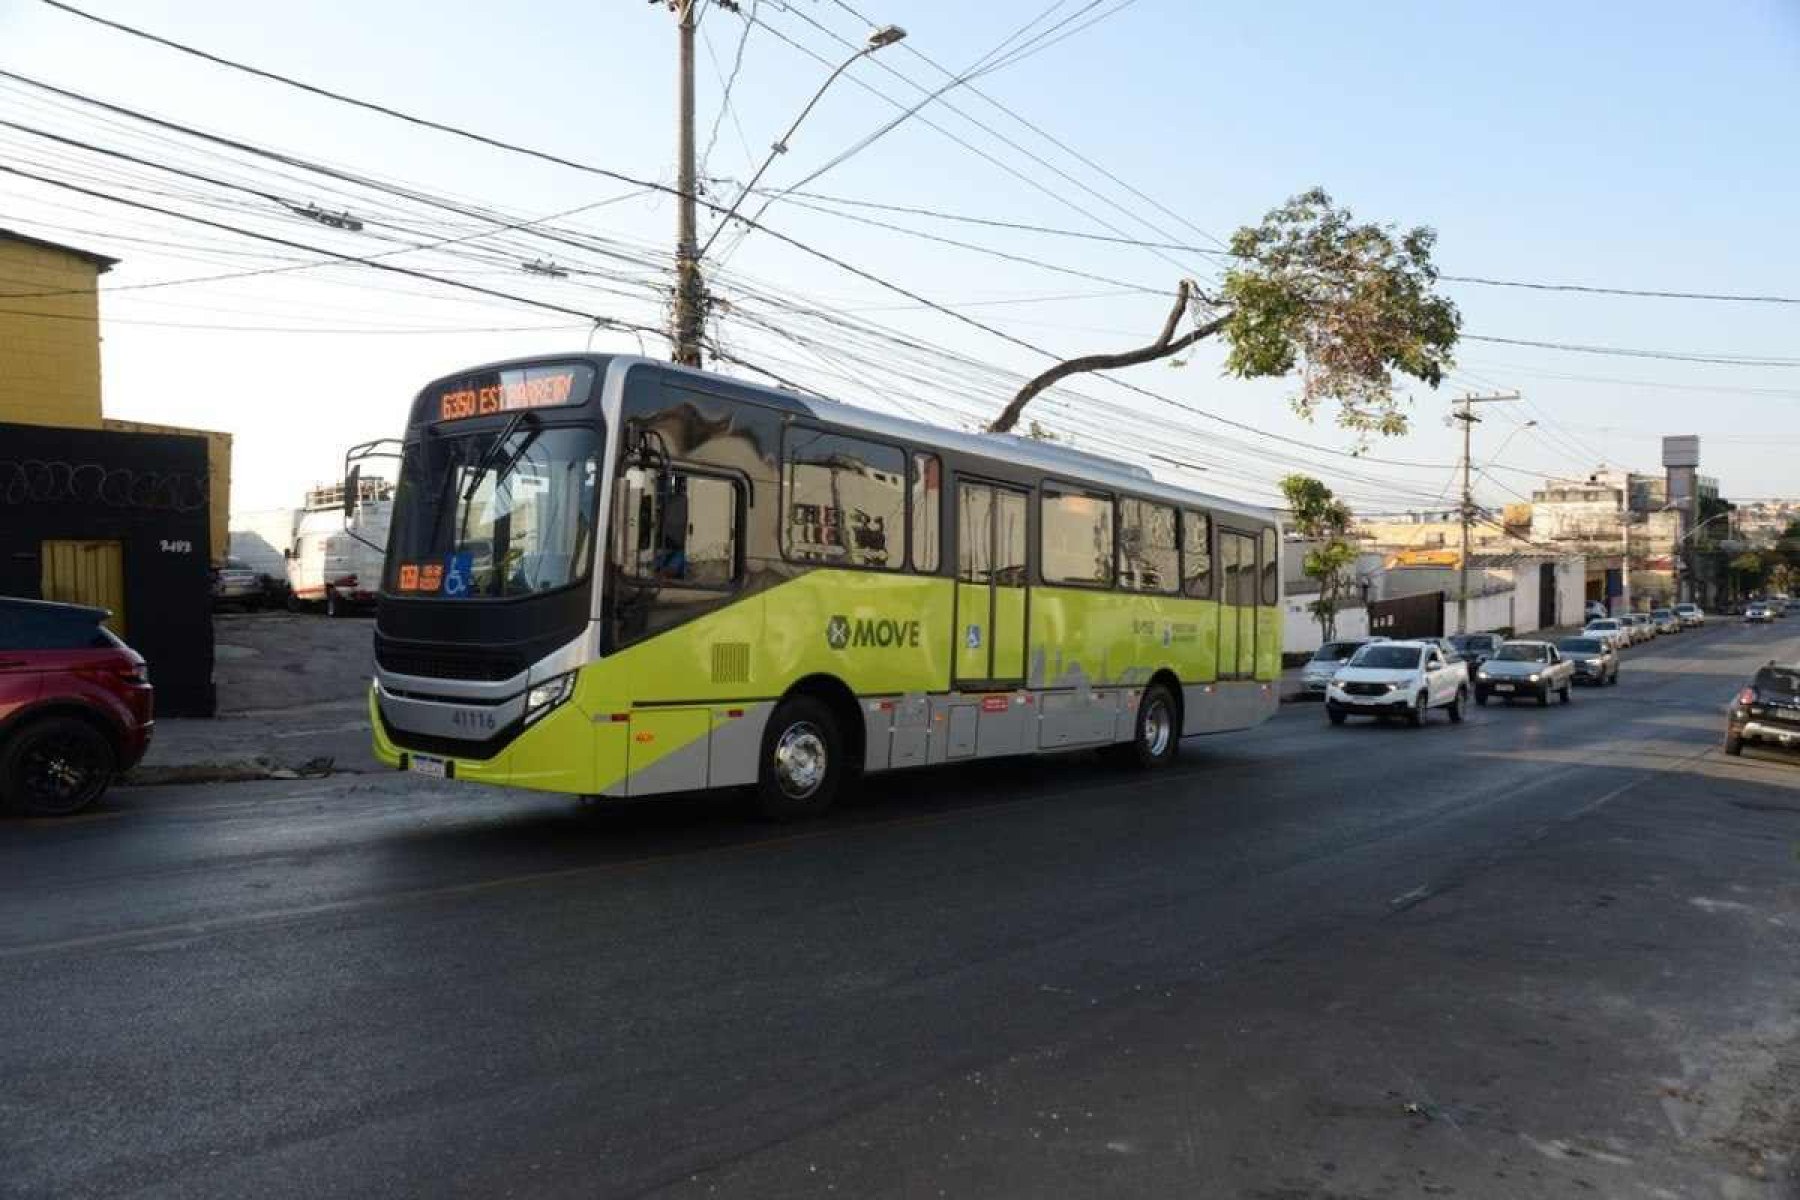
147 491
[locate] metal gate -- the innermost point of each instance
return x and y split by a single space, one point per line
86 573
1408 616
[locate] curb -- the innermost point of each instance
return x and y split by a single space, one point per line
230 771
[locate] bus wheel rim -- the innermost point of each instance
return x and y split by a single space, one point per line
1159 727
800 760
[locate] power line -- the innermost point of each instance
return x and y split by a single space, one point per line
737 65
1049 137
229 328
362 260
1628 352
588 168
893 123
1481 280
1047 190
1649 293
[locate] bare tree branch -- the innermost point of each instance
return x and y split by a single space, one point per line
1166 343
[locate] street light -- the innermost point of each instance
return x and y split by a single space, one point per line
1495 456
885 36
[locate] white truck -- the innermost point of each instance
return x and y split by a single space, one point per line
1398 679
332 563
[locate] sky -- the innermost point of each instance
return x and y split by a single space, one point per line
1643 146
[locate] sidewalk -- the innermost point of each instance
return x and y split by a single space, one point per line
291 703
282 743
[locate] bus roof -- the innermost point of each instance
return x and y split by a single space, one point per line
1048 457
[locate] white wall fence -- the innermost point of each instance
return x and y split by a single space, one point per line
1509 608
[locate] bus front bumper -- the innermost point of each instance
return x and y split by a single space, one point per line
565 751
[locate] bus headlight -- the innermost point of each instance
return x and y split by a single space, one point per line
547 695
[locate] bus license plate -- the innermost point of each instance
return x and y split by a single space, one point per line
1498 687
424 764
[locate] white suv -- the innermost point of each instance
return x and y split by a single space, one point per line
1398 679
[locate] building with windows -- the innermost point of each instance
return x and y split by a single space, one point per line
95 511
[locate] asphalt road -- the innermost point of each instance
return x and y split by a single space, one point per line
1546 952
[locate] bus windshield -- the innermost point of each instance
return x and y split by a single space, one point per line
502 512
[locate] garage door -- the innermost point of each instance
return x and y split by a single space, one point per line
86 573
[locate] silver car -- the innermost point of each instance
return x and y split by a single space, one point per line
1665 620
1326 662
236 583
1595 659
1519 669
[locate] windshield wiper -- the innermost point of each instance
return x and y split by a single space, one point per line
486 462
494 450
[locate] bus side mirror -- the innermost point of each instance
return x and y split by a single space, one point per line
351 479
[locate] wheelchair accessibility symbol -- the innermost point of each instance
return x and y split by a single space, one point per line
457 569
973 639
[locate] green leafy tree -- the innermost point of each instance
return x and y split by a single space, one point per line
1320 517
1346 307
1748 567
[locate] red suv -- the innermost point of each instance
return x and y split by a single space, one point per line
75 707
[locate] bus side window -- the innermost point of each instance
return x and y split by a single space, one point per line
1196 555
1148 548
1271 567
1076 529
845 500
927 498
678 528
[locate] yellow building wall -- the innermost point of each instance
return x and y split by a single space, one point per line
49 364
218 469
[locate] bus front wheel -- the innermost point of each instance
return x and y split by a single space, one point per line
802 761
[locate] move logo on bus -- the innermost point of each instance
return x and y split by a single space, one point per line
841 633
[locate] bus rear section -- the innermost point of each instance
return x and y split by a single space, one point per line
640 580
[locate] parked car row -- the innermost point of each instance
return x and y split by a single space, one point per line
1382 678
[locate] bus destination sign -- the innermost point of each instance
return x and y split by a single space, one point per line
513 389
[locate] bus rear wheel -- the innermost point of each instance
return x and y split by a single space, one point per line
802 761
1156 735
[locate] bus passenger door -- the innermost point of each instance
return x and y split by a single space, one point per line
990 584
974 582
1010 579
1237 605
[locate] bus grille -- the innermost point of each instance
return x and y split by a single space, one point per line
435 664
731 662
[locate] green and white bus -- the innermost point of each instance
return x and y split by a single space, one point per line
610 576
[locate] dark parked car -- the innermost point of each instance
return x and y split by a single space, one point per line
75 707
1476 648
1766 711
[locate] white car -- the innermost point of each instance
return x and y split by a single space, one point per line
1690 614
1405 679
1611 629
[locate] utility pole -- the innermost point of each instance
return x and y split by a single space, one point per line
1467 416
690 289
